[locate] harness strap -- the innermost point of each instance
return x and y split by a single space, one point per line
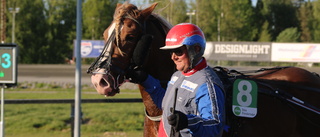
98 63
294 101
290 98
300 103
130 17
155 118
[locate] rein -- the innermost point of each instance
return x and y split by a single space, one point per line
282 95
242 73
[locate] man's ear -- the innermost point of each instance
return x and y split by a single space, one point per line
197 48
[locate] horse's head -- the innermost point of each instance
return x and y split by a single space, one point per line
121 38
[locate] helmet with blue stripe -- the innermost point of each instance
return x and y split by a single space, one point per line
186 34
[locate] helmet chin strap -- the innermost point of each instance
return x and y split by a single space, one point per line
193 55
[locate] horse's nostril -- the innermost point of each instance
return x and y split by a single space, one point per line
95 85
103 82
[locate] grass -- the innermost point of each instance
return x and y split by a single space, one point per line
54 120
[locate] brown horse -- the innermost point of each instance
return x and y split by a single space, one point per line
108 71
288 104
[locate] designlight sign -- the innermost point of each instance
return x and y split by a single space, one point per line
8 64
238 51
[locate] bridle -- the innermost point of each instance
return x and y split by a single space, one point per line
104 60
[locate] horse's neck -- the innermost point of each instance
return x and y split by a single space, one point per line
158 63
166 26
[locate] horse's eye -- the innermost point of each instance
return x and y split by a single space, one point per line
130 37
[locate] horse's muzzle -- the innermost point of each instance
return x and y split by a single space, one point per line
105 84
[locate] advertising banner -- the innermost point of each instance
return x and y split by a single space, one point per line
238 51
90 48
295 52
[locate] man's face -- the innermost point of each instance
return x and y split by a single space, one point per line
180 57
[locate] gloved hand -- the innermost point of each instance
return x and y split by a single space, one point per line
136 75
178 120
141 51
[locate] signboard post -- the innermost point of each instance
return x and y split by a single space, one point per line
8 73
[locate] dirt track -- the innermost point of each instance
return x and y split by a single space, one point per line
60 74
66 73
51 73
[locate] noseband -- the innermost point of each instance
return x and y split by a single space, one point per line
104 59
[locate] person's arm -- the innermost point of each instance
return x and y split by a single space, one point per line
153 87
210 120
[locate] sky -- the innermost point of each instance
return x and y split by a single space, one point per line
254 2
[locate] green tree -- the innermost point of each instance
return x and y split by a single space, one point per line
281 14
30 30
61 18
227 20
44 30
97 16
208 16
305 18
173 11
289 35
238 23
316 21
265 35
258 21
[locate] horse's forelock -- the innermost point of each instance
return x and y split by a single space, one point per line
125 9
131 10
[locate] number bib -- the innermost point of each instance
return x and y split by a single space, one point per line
244 98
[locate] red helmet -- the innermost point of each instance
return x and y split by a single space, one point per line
185 34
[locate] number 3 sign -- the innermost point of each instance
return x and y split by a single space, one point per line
8 63
244 98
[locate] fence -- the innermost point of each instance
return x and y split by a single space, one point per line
71 101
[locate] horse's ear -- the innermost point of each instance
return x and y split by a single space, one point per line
147 12
116 10
118 5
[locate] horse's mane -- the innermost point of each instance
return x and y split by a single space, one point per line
127 9
162 21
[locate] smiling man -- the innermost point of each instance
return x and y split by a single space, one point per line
199 103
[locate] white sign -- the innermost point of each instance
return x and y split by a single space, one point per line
295 52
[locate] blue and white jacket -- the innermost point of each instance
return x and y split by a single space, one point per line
200 96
